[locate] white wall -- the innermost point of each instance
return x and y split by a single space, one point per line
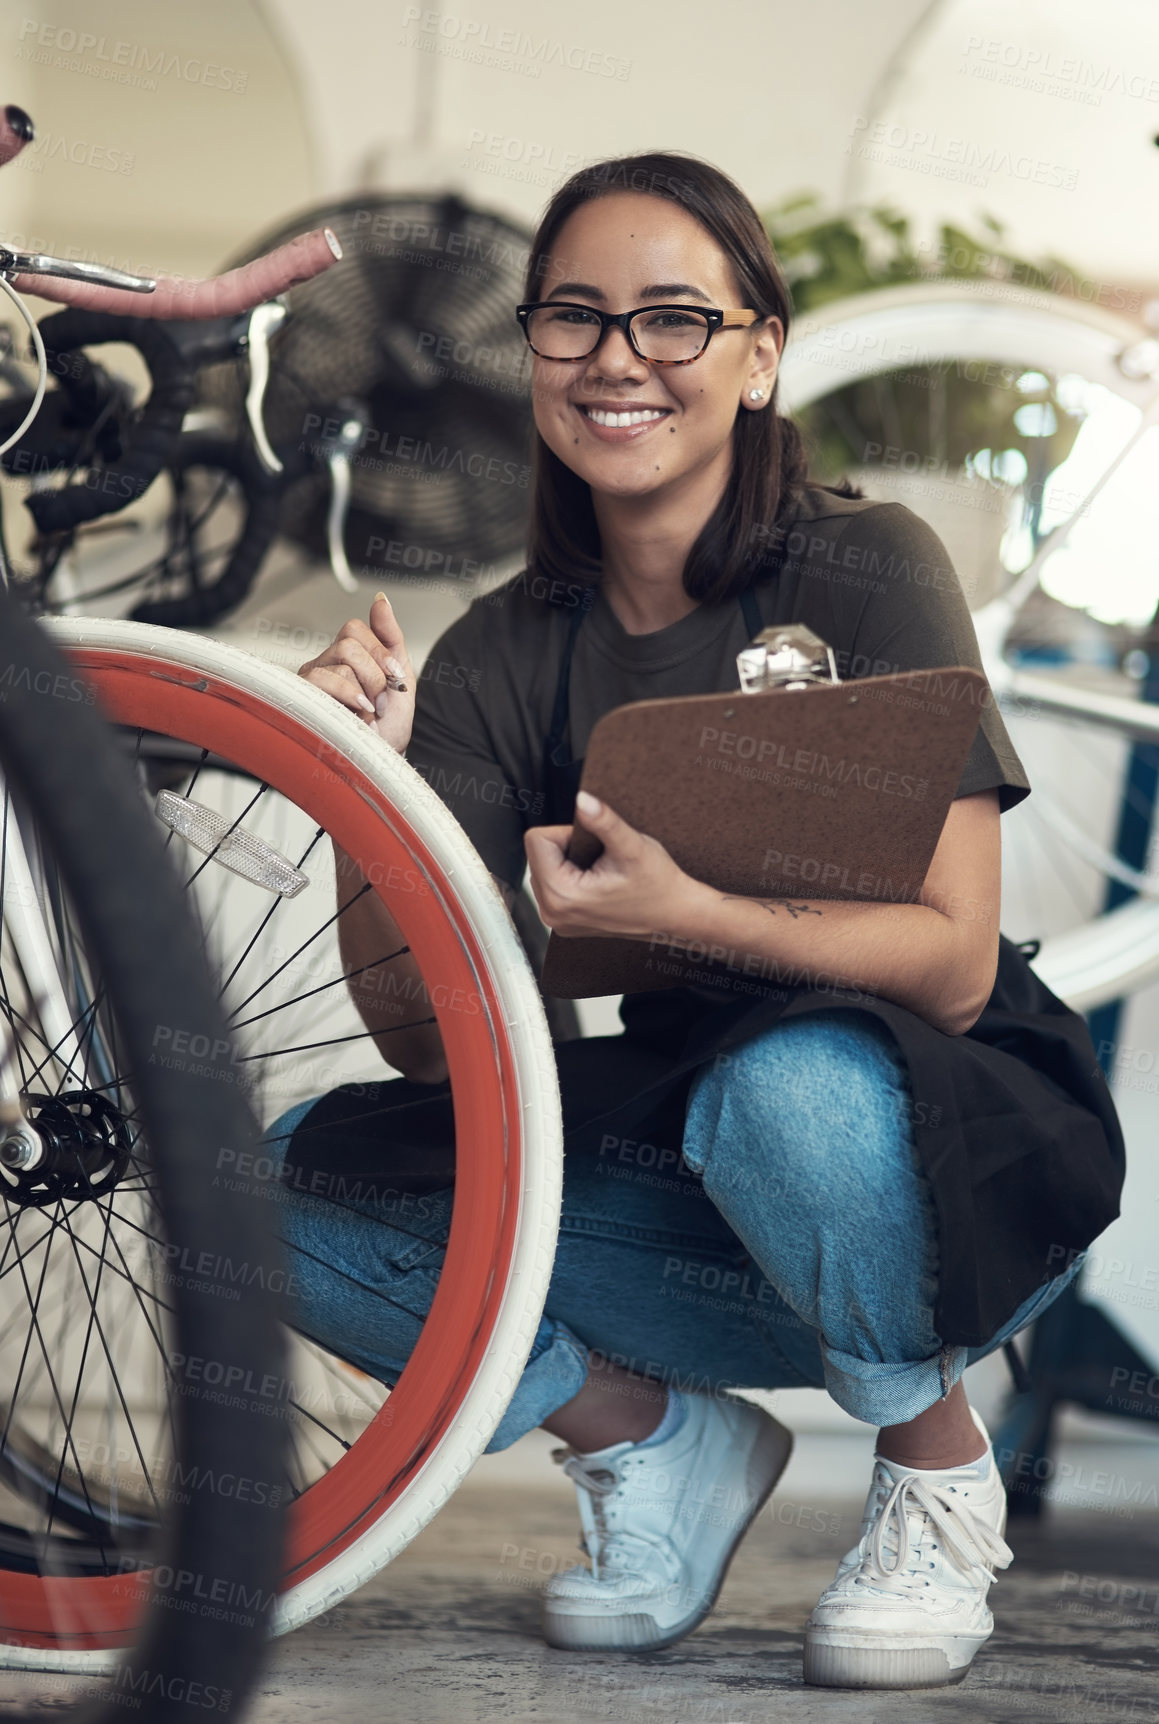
765 88
168 133
1054 103
1040 113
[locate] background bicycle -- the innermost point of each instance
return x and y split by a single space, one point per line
369 413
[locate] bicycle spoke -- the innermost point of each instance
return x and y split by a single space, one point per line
63 1316
94 1295
150 574
77 1029
307 1443
141 761
153 1239
140 1294
335 1269
5 998
82 1028
322 988
126 1274
114 1375
57 1300
333 1042
314 1420
34 1327
316 935
269 915
47 1234
17 1265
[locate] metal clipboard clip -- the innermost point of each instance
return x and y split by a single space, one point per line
788 656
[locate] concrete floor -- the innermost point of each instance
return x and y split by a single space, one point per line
449 1633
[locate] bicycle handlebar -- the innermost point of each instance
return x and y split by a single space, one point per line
178 297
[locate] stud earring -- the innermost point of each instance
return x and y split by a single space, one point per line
756 394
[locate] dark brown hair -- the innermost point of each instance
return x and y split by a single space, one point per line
768 468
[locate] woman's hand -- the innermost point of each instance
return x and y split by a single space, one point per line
633 890
367 669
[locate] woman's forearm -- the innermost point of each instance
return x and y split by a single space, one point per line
936 958
384 979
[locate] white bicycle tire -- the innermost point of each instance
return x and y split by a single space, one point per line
929 322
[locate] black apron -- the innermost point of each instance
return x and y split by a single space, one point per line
1013 1122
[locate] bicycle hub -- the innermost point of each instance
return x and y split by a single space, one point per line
76 1145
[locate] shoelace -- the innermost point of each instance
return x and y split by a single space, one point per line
968 1541
595 1482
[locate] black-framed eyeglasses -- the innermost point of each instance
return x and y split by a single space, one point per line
661 334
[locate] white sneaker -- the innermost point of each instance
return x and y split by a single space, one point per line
660 1524
907 1608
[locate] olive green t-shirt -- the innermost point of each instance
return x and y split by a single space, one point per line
870 578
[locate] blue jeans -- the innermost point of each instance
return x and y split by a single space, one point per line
791 1244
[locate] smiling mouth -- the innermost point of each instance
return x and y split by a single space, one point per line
629 415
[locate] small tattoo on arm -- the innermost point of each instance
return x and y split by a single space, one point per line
776 904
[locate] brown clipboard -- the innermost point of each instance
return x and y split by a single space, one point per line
839 790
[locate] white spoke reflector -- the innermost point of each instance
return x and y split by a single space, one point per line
232 846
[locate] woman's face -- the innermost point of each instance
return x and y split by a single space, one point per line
618 253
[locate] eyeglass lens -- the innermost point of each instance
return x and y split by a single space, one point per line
569 332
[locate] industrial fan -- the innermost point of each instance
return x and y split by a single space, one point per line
406 358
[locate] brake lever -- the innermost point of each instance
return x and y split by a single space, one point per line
338 452
14 263
264 321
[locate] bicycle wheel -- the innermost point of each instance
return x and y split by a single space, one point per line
221 521
189 552
98 956
851 372
283 767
